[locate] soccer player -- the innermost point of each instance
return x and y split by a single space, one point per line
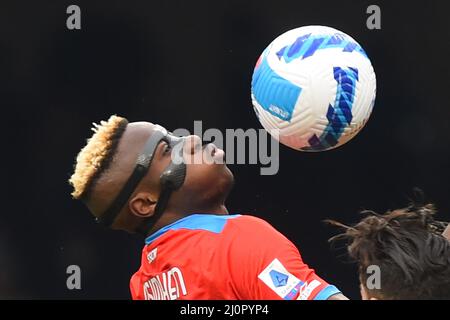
130 177
408 249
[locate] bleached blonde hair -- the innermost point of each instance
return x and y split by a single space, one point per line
95 157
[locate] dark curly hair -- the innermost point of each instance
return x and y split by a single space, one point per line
408 247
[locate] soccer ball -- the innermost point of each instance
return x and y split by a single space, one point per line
316 85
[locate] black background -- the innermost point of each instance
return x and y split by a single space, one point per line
173 62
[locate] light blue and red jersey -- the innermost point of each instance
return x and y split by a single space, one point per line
204 256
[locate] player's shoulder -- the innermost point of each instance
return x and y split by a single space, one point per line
246 219
256 225
248 233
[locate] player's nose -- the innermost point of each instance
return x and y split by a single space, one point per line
193 144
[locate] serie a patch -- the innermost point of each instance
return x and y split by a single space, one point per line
281 281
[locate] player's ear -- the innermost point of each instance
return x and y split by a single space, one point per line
447 232
142 205
365 293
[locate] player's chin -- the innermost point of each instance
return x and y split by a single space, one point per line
225 179
216 163
225 172
212 166
219 169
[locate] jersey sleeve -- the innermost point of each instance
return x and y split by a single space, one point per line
267 266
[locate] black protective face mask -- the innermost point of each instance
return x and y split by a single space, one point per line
172 178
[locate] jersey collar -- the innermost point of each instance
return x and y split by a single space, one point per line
209 222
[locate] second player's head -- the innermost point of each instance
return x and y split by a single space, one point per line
401 254
117 186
